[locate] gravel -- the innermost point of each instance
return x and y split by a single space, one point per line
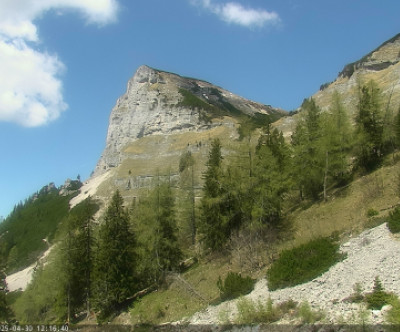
375 252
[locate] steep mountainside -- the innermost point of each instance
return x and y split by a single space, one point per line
161 103
381 65
161 116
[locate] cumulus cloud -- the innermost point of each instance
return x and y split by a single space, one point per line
30 84
232 12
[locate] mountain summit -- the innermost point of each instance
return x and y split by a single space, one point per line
161 103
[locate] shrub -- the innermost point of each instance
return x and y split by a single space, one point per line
372 213
356 296
234 285
393 315
394 221
250 312
307 315
304 263
378 297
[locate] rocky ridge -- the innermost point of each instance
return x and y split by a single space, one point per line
381 65
152 105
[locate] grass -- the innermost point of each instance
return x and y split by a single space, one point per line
178 302
165 306
251 312
346 210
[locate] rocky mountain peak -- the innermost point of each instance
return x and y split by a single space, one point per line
144 74
161 103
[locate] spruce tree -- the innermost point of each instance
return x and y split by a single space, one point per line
213 221
115 277
369 122
168 253
76 251
187 199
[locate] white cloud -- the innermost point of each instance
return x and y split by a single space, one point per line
232 12
30 85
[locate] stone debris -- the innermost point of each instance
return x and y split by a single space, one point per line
375 252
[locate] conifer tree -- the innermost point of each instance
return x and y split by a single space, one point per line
336 143
115 277
187 185
213 221
76 252
271 177
168 253
308 157
369 126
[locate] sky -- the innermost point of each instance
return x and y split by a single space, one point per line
64 63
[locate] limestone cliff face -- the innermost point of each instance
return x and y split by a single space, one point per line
155 104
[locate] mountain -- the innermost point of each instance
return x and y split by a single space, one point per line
160 116
381 65
153 127
161 103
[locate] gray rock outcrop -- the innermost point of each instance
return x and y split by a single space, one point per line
152 105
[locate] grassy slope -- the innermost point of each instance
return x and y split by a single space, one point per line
344 212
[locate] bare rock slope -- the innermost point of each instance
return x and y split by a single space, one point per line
374 253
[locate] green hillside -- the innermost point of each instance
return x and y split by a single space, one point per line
30 228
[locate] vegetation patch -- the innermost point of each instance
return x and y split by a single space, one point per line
250 312
234 285
304 263
23 231
394 220
378 297
372 213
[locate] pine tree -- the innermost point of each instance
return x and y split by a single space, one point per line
115 277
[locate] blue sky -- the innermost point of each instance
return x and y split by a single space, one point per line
64 63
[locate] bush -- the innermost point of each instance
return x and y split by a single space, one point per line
356 296
234 285
250 312
393 316
394 221
307 315
378 297
304 263
372 213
